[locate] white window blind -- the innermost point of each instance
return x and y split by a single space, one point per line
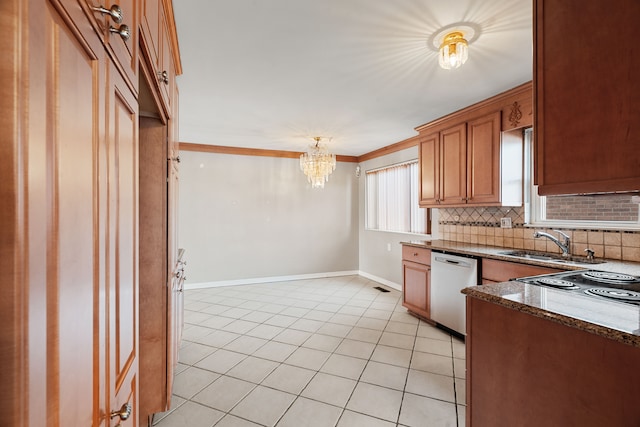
392 199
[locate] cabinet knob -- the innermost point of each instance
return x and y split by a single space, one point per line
124 412
122 30
415 254
163 76
115 12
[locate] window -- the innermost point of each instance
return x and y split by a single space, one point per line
611 210
392 200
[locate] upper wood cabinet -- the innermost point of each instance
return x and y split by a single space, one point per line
587 96
465 159
150 29
462 164
483 160
453 147
160 48
429 154
124 50
517 108
120 38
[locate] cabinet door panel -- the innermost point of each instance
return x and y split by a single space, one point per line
416 291
501 271
126 51
73 125
483 160
453 143
150 26
587 124
429 169
166 66
123 244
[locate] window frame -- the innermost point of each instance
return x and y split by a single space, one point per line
427 225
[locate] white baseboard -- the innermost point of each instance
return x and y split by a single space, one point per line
385 282
257 280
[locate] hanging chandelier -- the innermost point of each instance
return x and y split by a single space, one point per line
317 164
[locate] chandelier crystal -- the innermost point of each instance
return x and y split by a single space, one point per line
317 164
453 51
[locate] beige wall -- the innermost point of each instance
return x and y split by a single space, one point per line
245 217
380 252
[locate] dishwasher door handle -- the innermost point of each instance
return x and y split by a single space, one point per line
453 262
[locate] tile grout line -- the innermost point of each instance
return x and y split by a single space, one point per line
292 303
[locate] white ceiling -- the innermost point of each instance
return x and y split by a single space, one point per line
273 74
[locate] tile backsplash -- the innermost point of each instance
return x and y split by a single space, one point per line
481 225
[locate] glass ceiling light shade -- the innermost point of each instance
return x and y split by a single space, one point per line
453 51
317 164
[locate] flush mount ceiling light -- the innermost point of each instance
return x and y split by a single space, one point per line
317 164
454 51
452 44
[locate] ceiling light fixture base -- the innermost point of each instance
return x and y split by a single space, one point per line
452 42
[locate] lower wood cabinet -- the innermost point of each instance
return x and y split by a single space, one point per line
496 271
416 277
523 370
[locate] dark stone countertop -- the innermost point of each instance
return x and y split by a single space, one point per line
614 320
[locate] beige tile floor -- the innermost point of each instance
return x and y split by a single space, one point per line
319 353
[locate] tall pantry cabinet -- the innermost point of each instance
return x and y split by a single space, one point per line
161 272
70 300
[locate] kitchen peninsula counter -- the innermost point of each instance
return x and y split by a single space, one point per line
608 319
536 356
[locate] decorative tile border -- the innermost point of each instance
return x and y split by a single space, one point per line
482 226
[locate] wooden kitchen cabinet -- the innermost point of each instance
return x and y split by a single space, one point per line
150 29
484 160
464 164
162 269
442 156
527 371
453 161
71 220
494 271
475 156
69 307
123 50
416 275
517 108
429 183
160 47
587 96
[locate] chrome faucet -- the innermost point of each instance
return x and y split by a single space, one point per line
565 246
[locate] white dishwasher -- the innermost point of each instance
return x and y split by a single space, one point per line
449 275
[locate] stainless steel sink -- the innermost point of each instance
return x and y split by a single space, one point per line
544 256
